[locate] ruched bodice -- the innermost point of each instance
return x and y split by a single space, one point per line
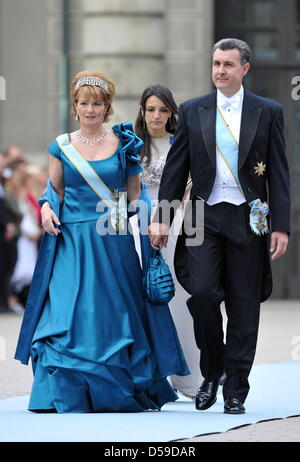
80 200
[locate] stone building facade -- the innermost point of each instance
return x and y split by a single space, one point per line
135 42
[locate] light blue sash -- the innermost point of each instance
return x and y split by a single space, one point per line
115 201
228 147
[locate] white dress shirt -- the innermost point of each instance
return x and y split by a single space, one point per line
225 188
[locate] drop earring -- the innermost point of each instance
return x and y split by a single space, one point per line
143 118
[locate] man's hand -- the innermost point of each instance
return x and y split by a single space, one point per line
279 242
158 235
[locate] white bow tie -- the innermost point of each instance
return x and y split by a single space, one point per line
233 102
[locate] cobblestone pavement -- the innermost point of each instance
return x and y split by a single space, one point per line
278 339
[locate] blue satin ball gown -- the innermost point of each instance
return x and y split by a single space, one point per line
93 348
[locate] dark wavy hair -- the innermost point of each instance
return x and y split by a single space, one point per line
165 95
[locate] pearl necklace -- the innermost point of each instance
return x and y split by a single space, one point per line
91 141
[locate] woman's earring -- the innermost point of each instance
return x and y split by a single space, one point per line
143 118
77 116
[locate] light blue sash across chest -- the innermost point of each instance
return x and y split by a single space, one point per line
227 146
115 201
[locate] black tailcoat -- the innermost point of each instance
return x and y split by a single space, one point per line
194 151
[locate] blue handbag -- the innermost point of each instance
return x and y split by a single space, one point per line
158 282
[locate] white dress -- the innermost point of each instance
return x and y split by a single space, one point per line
151 176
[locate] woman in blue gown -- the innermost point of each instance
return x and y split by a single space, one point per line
95 344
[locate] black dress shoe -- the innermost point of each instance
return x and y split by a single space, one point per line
233 406
207 394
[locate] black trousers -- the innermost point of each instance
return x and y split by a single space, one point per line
227 267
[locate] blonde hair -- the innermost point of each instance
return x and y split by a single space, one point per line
93 91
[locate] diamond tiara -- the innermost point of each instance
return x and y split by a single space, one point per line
92 81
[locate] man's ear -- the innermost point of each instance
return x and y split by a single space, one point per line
246 68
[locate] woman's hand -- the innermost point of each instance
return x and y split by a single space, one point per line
49 219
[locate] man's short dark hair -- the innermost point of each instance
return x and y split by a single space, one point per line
232 44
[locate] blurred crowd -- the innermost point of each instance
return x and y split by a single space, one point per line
21 184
